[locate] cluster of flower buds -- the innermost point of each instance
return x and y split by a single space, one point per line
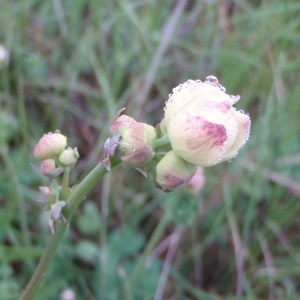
51 150
203 129
55 158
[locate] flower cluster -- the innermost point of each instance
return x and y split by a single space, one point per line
202 128
56 158
51 150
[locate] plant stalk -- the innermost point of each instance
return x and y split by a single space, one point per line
77 196
162 142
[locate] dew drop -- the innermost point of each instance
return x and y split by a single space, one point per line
211 78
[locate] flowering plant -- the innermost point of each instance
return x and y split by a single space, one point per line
200 128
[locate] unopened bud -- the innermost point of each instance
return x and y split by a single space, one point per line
173 172
50 145
121 123
136 142
68 157
202 125
48 166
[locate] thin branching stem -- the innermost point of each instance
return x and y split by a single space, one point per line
78 195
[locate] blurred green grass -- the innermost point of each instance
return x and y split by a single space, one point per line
73 64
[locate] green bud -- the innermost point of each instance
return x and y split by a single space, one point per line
173 172
68 157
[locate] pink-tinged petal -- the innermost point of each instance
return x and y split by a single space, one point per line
203 126
47 166
197 140
137 144
244 124
121 123
50 145
198 93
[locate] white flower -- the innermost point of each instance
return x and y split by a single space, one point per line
203 126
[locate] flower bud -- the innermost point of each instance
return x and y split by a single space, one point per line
68 157
203 126
173 172
50 145
48 166
136 142
121 123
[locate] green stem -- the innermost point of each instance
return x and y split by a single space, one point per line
87 184
162 142
65 184
40 271
104 256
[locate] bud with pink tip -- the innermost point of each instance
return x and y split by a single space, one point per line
121 123
202 125
136 142
48 166
50 145
173 172
68 157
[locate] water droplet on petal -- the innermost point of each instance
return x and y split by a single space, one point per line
211 78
